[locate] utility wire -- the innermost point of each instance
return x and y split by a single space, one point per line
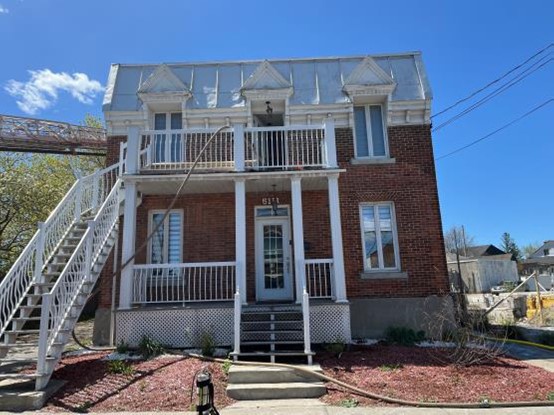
514 81
494 82
545 103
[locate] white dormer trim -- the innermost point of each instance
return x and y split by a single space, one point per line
368 79
163 86
266 83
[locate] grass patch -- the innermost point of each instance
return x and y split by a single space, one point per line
349 403
120 367
390 367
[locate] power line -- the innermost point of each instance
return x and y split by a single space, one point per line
497 130
515 68
512 82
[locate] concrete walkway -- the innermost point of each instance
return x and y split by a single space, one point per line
315 407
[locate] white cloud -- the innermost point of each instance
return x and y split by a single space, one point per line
3 10
41 90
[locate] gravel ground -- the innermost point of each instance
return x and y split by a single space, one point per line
415 374
160 384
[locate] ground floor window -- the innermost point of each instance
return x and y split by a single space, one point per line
166 245
379 237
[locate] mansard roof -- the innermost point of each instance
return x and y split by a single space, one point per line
314 81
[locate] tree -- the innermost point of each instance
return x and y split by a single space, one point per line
464 240
530 249
508 244
31 186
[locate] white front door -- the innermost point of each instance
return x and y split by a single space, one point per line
273 260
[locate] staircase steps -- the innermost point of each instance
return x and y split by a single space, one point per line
264 382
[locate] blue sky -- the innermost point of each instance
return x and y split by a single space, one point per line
502 184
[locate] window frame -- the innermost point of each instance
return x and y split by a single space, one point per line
167 120
165 252
369 133
381 268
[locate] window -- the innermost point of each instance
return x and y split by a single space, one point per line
168 147
370 132
166 245
380 244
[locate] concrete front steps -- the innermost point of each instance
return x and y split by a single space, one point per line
265 382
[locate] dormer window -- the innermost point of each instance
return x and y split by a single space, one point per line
167 145
370 132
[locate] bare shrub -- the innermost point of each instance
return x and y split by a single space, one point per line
469 336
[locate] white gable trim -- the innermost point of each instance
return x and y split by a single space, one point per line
265 73
368 79
163 84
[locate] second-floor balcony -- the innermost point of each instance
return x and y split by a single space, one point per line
235 149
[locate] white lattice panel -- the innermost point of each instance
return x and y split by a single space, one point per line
330 322
175 327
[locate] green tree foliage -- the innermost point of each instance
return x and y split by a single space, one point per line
31 186
508 244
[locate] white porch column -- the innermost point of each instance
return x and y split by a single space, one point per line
339 284
133 141
238 140
240 237
330 143
128 246
298 231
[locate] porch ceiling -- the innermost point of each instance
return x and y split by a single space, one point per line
212 183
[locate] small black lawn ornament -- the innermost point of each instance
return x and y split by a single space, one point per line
205 391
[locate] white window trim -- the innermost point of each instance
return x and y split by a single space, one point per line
381 268
151 214
167 120
369 132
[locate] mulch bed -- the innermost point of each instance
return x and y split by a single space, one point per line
160 384
416 374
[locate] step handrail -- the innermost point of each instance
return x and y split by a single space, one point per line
75 274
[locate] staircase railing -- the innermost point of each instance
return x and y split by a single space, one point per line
58 303
84 195
238 312
306 320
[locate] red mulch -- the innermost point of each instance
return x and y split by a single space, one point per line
421 377
160 384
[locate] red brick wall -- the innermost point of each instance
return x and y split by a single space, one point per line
409 183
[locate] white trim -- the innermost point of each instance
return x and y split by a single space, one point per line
368 65
375 206
165 252
369 133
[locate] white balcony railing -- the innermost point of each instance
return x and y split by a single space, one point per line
319 277
234 149
177 150
285 147
182 283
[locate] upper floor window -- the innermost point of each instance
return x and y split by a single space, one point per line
166 244
370 132
168 121
379 238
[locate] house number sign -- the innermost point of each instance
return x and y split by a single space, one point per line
269 200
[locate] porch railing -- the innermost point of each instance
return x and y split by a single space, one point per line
319 277
234 149
181 283
177 150
285 147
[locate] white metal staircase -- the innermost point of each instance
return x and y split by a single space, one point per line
46 289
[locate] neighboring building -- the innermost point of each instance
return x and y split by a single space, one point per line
542 262
484 267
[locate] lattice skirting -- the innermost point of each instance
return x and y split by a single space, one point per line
183 327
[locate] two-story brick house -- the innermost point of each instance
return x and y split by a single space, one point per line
314 216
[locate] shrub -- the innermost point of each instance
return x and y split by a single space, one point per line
207 343
122 347
226 367
403 336
120 367
337 347
349 403
148 347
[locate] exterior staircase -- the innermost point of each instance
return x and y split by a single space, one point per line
45 291
273 331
